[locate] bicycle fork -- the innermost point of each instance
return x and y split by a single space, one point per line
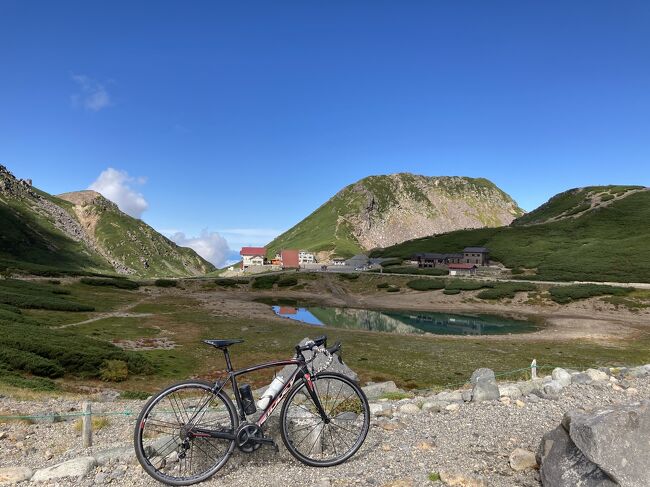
314 397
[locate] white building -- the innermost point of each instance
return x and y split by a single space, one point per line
305 257
252 256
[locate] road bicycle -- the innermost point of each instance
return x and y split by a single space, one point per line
188 431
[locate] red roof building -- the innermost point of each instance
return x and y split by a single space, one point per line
290 259
253 251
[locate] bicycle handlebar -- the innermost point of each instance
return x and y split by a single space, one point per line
317 342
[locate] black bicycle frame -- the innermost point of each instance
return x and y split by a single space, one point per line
301 370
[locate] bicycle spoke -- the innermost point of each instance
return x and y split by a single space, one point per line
165 437
320 442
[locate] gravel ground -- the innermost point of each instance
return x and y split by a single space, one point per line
401 449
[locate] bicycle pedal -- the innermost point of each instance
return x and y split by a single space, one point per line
269 441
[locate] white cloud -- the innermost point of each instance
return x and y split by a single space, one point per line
116 186
93 95
209 245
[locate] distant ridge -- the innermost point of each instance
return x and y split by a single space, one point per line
596 233
380 211
81 232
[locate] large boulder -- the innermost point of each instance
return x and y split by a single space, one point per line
603 447
379 389
617 439
336 365
485 386
77 467
562 464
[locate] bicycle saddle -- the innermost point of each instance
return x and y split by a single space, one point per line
222 343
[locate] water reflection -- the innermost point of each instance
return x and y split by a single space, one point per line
406 322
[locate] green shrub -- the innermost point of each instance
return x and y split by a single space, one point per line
506 290
465 285
64 292
392 289
566 294
225 282
33 383
517 271
348 276
139 395
114 371
451 291
265 282
165 283
119 283
425 284
383 285
14 359
54 281
606 197
425 271
287 282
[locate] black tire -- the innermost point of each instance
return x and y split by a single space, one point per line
150 426
354 404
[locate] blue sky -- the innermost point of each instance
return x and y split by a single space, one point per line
238 119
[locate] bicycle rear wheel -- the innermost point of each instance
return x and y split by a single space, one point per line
173 436
324 443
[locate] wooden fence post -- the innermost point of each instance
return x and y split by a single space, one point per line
533 369
86 425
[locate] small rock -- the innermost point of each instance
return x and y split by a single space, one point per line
450 396
581 378
3 435
78 467
452 407
409 408
561 376
553 388
596 375
13 475
505 400
381 409
433 406
389 425
511 391
454 479
521 459
631 391
399 483
424 446
520 404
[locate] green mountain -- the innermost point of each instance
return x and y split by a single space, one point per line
380 211
598 233
83 232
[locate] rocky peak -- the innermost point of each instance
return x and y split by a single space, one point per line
88 197
12 186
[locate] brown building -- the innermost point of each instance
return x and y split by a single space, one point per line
290 259
476 255
479 256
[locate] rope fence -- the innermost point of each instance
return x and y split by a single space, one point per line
86 413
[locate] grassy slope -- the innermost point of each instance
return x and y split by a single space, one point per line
412 361
326 228
604 244
29 241
129 239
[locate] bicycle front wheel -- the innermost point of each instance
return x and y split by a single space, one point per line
185 433
322 442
